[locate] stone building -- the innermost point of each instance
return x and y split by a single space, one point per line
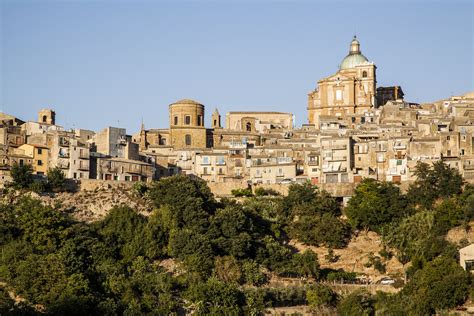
187 125
39 156
259 122
350 90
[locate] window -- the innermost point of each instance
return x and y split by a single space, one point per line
187 120
40 162
44 118
331 178
215 122
448 138
21 162
187 140
364 74
199 120
338 95
344 177
248 127
205 160
175 120
220 160
40 151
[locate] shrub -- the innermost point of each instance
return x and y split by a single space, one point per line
321 295
242 192
56 179
140 188
357 303
22 176
265 192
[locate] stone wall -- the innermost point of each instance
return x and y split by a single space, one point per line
93 184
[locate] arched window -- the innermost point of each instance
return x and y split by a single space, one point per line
187 140
364 74
175 120
44 118
215 122
248 127
187 120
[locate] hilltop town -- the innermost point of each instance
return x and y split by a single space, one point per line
355 130
399 243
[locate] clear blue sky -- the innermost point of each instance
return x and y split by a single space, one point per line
102 63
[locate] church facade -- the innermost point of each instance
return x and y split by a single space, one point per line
351 90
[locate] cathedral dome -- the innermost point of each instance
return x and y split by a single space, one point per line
355 57
350 61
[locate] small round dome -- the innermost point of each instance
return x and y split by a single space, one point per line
186 101
352 60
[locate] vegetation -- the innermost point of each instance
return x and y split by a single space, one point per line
22 176
56 180
197 254
243 192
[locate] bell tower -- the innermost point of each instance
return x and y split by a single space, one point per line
216 119
47 116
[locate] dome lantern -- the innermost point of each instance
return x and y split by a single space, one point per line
355 57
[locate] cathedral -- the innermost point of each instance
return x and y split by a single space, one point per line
351 90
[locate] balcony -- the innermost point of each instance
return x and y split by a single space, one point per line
84 156
64 142
335 147
83 167
341 158
313 163
64 165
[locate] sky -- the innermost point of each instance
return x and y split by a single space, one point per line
118 63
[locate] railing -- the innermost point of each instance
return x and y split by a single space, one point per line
64 143
335 147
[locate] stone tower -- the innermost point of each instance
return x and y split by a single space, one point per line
187 124
143 141
47 116
216 119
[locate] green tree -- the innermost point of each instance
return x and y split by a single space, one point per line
357 303
184 201
320 295
376 204
441 284
42 226
408 235
56 180
434 182
22 175
215 297
252 273
320 230
306 264
228 269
